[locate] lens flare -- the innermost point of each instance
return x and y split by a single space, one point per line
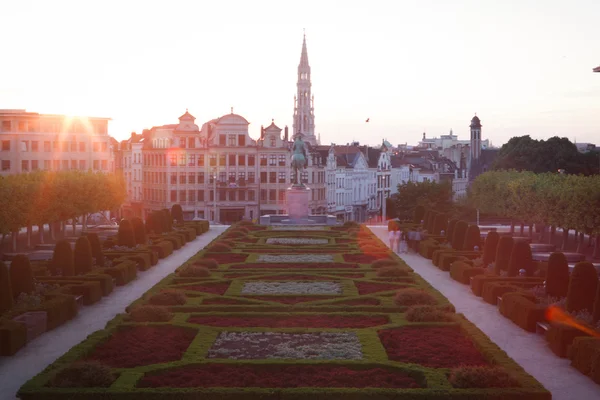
556 314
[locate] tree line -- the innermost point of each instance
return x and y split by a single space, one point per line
48 197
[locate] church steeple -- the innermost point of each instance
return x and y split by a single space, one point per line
304 118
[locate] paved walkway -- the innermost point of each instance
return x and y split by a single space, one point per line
38 354
528 349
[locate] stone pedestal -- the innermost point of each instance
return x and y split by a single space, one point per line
297 202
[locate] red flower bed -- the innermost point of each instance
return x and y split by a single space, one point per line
143 345
278 376
299 250
214 288
227 258
299 321
290 299
431 346
292 266
364 258
358 302
372 287
291 278
217 301
341 240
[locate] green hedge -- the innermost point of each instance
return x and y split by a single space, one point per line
585 356
522 310
478 281
462 272
560 337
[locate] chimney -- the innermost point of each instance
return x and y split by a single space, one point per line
286 138
262 132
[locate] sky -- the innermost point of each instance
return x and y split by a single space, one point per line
524 66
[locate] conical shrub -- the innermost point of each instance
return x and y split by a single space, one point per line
520 258
177 213
167 221
62 259
139 230
557 277
582 287
459 234
431 220
503 253
489 248
419 214
440 224
596 313
82 256
450 231
21 276
96 246
6 296
125 236
472 238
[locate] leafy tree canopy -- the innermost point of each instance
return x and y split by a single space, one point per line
431 195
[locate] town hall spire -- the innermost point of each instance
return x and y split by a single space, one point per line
304 118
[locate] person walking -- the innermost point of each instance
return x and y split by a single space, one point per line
418 237
392 238
403 246
397 237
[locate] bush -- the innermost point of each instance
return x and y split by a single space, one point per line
428 314
413 297
582 287
481 377
21 276
419 214
459 234
83 374
126 236
450 231
167 220
177 213
520 258
82 256
154 222
557 275
6 297
503 253
391 272
96 249
585 356
472 238
168 299
209 263
440 224
219 248
489 248
596 311
62 259
384 263
431 216
351 224
151 314
139 231
193 271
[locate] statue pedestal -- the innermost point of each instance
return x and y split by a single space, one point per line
297 202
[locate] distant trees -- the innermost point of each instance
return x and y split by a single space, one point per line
431 195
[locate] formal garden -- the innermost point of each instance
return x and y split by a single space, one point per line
278 312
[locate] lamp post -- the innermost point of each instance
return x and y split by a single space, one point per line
214 195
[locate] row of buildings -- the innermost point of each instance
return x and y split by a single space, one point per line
217 171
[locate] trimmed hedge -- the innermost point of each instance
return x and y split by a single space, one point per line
96 248
21 276
139 231
126 236
560 337
459 234
13 336
522 310
440 224
62 262
478 281
520 258
82 256
462 272
503 254
6 296
557 275
585 356
177 213
450 231
582 287
472 238
489 248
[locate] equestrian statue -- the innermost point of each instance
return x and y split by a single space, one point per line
299 159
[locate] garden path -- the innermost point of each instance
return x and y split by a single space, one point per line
528 349
37 355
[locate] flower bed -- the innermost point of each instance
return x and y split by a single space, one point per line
290 299
295 258
297 241
314 265
213 288
365 258
292 288
374 287
300 321
226 258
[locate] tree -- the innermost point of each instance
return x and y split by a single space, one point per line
82 255
431 195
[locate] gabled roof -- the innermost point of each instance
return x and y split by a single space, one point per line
187 115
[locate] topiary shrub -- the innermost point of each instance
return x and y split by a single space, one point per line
193 271
472 238
458 235
82 256
489 248
126 236
428 314
96 247
520 258
557 275
220 248
413 297
582 287
62 259
150 314
167 220
440 223
177 213
419 214
83 374
430 220
450 231
391 272
6 296
154 222
139 230
425 218
209 263
21 276
596 311
169 298
503 252
481 377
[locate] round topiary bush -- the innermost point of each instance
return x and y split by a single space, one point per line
177 213
582 287
83 374
139 230
503 252
62 259
450 230
428 314
168 298
472 238
391 272
219 248
21 276
481 377
489 248
6 296
557 275
520 258
151 314
82 256
209 263
419 214
458 235
193 271
413 297
96 247
125 235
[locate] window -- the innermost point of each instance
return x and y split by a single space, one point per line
73 146
96 164
200 195
282 160
251 160
231 140
242 176
263 159
55 145
304 177
201 160
282 196
273 141
241 159
251 195
222 177
272 177
6 145
104 164
201 177
173 178
73 164
232 159
222 160
5 165
24 165
192 178
55 165
212 195
182 142
232 177
192 196
81 164
182 195
6 126
22 126
173 160
241 140
191 143
47 147
35 146
222 195
47 165
242 195
263 177
282 177
65 165
272 160
272 195
211 178
251 177
182 178
173 195
222 139
182 159
263 194
191 160
35 165
96 147
231 195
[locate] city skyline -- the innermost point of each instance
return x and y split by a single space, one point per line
409 67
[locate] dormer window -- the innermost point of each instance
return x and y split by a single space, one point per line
231 140
273 141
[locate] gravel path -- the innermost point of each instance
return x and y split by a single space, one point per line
38 354
528 349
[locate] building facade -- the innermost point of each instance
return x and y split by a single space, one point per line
33 141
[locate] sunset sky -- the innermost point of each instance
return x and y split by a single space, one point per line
525 67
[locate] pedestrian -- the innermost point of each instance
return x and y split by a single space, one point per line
392 238
397 237
403 243
418 237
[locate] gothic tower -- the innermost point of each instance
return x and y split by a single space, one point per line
304 112
475 139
